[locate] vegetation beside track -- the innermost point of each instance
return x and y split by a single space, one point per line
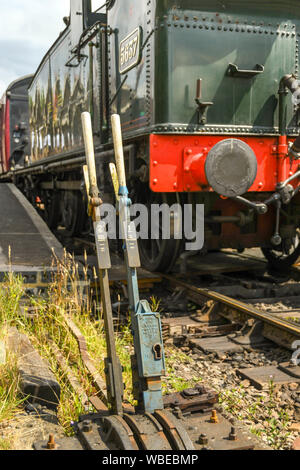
266 417
46 324
45 321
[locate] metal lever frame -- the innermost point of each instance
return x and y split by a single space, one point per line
113 369
147 365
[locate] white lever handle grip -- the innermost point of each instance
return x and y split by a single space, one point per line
118 144
89 149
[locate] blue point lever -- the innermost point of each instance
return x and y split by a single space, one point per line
148 362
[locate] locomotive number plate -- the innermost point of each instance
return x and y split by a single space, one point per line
130 50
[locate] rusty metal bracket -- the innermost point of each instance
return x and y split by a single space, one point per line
106 432
250 335
191 400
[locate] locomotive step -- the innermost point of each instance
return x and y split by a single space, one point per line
26 243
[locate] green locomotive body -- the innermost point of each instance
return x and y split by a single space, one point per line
207 92
214 42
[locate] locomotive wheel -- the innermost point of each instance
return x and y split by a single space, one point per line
85 224
70 208
157 255
51 212
286 254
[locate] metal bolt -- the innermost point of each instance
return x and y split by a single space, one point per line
232 435
96 202
87 426
178 413
203 439
51 443
276 240
214 417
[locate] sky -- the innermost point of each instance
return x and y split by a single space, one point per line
27 30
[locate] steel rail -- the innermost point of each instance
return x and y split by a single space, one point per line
278 330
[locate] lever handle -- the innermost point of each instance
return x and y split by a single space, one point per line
90 154
119 153
86 179
115 179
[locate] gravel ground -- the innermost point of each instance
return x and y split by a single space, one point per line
34 424
273 415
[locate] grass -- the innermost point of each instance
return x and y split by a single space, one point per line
293 319
172 383
269 420
6 444
10 400
64 298
155 304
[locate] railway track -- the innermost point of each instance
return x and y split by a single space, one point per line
236 296
279 330
220 318
213 321
200 399
220 326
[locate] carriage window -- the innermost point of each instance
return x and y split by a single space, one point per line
97 4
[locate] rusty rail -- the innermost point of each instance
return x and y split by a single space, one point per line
68 374
98 382
281 331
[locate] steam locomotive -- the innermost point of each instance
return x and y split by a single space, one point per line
208 96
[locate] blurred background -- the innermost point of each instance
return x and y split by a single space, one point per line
27 30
